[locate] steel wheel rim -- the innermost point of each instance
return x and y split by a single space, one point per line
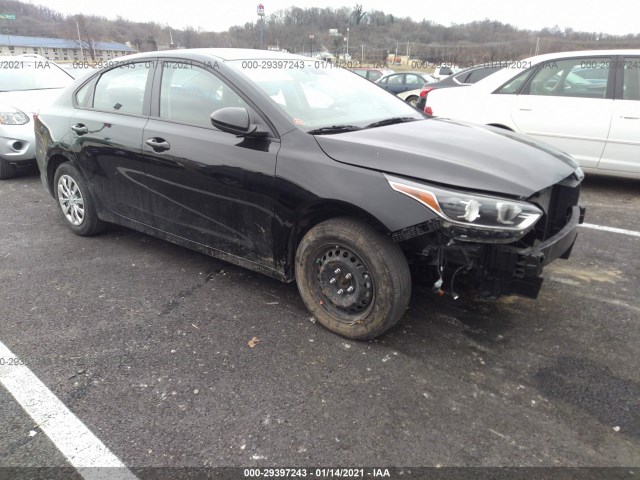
345 284
71 200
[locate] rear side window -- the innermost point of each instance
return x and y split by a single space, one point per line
480 73
412 79
514 85
122 89
374 75
631 79
575 77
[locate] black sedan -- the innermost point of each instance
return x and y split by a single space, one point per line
303 171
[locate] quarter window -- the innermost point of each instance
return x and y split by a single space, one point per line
576 77
191 94
122 89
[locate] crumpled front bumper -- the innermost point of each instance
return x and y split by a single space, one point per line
519 270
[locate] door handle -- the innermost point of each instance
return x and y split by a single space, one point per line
158 144
80 129
629 118
526 109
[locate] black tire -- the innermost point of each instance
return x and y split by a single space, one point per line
7 170
88 223
412 100
379 278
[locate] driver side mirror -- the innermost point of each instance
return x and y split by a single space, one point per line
236 120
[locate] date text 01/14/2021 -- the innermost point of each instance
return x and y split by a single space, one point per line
316 472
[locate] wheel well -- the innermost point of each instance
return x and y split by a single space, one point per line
497 125
52 166
318 214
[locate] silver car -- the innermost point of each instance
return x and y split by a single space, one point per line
27 82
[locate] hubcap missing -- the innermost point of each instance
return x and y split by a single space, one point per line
344 280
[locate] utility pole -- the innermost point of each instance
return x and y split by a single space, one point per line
347 43
362 59
80 41
261 21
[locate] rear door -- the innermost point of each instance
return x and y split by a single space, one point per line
208 186
622 153
568 103
106 131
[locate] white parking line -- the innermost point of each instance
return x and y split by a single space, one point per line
611 229
75 441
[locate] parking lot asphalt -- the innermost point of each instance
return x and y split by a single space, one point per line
149 345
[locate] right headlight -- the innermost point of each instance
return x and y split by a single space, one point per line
12 116
470 216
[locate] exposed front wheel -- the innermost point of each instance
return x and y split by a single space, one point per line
354 280
75 201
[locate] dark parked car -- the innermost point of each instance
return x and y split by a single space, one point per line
371 74
402 82
306 172
466 77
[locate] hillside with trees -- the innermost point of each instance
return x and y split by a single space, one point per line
372 35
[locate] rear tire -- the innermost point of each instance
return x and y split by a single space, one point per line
354 280
7 170
412 100
75 201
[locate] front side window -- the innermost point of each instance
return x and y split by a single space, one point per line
190 94
122 89
575 77
631 79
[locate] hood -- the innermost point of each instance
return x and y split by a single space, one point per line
29 101
455 154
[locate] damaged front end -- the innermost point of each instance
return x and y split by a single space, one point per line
495 245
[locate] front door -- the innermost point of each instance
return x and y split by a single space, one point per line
206 185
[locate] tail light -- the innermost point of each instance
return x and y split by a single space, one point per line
425 90
428 110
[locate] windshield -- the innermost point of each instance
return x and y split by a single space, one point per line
318 95
32 75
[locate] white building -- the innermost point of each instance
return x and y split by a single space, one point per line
60 49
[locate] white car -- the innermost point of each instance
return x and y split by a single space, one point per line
27 82
443 71
585 103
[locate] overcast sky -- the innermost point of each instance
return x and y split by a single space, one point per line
612 16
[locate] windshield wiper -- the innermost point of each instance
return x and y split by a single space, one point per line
334 129
391 121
